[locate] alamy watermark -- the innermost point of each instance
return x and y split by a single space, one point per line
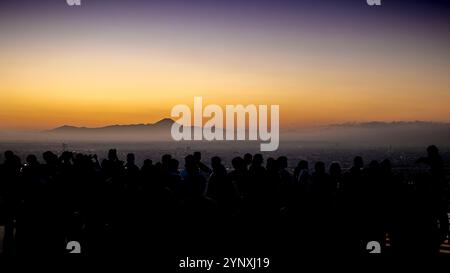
74 247
374 2
235 123
73 2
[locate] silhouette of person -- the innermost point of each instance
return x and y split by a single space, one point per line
204 170
248 159
302 176
429 208
239 177
352 213
148 174
9 192
112 167
335 172
132 173
220 188
174 178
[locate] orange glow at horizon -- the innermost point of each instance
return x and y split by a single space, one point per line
98 84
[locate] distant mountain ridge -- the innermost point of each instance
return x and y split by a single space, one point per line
377 124
372 133
375 133
163 123
159 130
167 122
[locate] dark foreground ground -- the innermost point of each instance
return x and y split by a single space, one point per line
191 206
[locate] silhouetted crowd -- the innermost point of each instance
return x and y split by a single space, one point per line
257 207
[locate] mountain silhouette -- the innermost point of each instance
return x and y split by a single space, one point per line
371 133
377 133
162 124
159 130
392 124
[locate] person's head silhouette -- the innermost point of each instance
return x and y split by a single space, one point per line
173 165
358 162
432 151
257 160
272 164
319 167
49 157
248 158
130 159
216 163
9 156
197 156
335 169
238 163
282 162
303 165
112 154
165 159
190 164
32 160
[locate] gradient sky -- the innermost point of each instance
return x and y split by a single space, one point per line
120 62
